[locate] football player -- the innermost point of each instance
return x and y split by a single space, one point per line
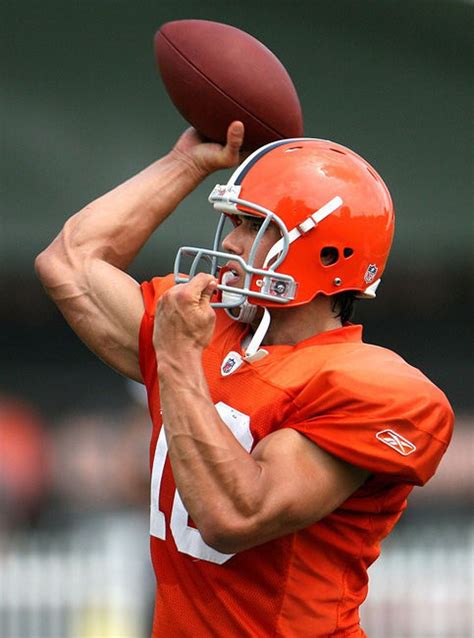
283 446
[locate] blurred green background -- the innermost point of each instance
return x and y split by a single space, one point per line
82 109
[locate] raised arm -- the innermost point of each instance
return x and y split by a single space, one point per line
83 269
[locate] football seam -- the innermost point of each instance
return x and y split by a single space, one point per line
209 81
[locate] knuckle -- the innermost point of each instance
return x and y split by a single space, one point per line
177 291
164 299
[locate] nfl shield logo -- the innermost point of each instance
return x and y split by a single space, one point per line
370 273
228 365
231 362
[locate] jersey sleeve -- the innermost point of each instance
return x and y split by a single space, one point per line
151 292
396 423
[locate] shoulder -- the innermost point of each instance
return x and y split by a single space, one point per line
371 408
368 379
151 292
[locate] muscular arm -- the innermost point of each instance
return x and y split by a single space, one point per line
83 270
237 500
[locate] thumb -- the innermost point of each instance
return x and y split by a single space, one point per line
235 136
209 290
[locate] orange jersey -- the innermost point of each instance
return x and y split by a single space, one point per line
359 402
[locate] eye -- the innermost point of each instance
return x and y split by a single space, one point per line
251 224
256 224
235 220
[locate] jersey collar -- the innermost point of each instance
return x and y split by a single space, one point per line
349 333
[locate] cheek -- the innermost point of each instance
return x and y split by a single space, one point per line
265 245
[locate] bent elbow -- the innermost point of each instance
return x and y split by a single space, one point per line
49 267
42 262
221 543
44 265
61 260
224 538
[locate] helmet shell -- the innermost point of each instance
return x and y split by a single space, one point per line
297 177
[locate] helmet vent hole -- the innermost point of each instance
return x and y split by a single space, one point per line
329 255
348 252
292 149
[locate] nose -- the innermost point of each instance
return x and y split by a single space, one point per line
232 242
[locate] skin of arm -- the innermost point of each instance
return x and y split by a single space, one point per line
236 499
83 269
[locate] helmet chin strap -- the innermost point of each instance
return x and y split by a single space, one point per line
246 314
252 351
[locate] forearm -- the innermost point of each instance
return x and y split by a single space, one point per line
218 480
115 226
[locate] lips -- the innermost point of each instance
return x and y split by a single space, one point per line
231 276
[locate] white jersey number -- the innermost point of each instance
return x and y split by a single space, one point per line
188 539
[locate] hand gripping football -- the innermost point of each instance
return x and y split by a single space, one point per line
215 73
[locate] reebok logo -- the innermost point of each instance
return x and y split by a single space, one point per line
396 441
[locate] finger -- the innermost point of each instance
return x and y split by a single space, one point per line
235 137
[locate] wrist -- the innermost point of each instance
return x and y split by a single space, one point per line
179 364
195 169
181 378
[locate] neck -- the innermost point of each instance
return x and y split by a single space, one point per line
289 326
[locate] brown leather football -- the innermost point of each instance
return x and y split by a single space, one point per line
215 73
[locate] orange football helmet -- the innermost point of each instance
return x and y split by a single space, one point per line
326 200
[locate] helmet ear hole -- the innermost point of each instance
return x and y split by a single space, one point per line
348 252
329 255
